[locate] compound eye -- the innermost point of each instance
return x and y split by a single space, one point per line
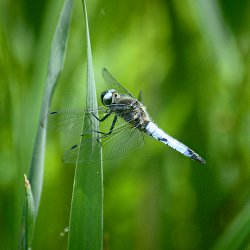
107 101
107 97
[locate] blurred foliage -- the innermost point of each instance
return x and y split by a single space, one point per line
191 59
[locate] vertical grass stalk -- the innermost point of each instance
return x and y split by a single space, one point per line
29 213
55 67
86 216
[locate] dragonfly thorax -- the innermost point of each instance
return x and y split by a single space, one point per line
108 96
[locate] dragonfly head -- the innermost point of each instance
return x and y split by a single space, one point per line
107 96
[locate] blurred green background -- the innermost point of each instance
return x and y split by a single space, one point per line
191 59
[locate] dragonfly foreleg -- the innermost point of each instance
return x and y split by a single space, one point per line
103 118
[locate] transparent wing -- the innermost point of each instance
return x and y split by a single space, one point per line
66 121
123 140
110 80
75 153
140 97
72 120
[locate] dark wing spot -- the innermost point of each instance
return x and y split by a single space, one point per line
74 146
52 113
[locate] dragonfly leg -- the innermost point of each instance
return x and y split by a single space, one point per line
103 118
100 120
113 124
111 128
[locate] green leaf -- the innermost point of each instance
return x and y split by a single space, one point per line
86 217
237 233
55 67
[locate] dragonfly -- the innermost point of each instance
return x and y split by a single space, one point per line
124 123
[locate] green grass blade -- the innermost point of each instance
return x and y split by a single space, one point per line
86 218
29 213
54 69
237 233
